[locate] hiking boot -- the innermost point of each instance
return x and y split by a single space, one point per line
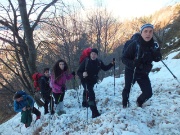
85 104
94 115
139 102
125 103
38 117
26 125
46 112
61 112
52 112
95 112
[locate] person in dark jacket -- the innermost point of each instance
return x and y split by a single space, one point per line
46 91
25 104
138 58
88 73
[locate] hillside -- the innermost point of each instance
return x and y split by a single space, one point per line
159 115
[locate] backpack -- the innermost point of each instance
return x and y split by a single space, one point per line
135 37
85 53
36 77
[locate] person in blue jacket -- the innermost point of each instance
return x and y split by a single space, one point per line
24 103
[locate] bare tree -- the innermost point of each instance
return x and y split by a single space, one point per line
17 38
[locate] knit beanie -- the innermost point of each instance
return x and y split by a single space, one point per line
94 50
147 25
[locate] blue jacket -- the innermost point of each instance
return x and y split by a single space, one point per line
27 101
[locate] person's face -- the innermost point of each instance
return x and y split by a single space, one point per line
46 73
61 65
93 55
19 99
147 34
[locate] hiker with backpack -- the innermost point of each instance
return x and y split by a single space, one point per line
58 80
138 56
46 91
88 73
24 103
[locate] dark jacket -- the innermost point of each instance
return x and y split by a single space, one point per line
147 53
44 86
93 67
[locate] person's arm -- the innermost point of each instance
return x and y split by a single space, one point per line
81 69
30 101
69 76
42 84
156 55
105 67
16 107
129 55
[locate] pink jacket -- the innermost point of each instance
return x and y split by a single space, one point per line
56 86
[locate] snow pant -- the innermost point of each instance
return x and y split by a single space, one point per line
58 97
59 102
89 96
48 100
36 111
144 83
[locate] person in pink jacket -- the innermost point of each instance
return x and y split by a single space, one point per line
58 81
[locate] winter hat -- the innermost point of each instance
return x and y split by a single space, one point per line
94 50
147 25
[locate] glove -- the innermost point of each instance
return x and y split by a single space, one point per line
137 62
73 73
156 54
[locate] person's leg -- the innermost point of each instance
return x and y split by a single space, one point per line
36 112
84 102
91 102
146 89
51 104
57 97
46 102
128 82
61 104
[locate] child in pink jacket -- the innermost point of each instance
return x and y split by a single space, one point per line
58 80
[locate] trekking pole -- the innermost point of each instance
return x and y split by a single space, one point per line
170 71
114 75
51 109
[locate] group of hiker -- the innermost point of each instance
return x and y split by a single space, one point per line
137 57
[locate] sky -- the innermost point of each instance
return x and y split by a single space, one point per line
119 8
128 8
158 116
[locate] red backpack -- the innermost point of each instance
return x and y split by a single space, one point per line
85 53
36 77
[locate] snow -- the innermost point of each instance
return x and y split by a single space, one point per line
159 115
